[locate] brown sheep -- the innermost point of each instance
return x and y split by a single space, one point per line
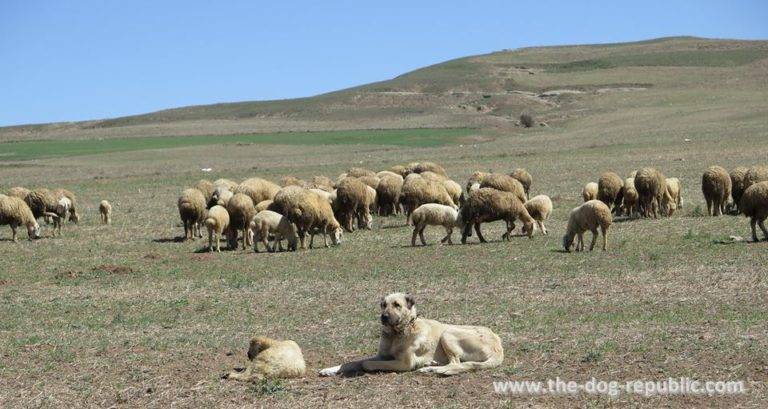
241 211
310 212
738 186
42 202
525 179
754 175
716 186
418 191
258 189
388 194
754 204
500 181
651 186
352 201
192 208
488 205
609 190
588 216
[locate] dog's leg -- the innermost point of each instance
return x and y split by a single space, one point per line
405 363
349 367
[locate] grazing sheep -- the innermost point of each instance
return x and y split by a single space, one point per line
105 210
15 212
352 201
372 208
360 172
216 223
539 207
716 186
74 217
755 174
673 198
589 192
220 196
43 203
192 207
291 181
630 197
62 210
383 173
241 211
388 194
524 177
231 185
371 181
651 188
258 189
588 216
310 212
268 222
18 191
207 187
417 191
264 205
435 177
473 183
323 183
754 204
738 185
609 190
399 169
454 190
433 214
506 183
488 205
420 167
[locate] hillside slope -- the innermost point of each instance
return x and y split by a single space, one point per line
485 91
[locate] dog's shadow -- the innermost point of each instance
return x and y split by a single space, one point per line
177 239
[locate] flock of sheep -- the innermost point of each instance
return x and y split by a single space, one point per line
259 211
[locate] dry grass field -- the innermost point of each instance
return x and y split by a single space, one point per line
127 315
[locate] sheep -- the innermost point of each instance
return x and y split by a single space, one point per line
738 187
417 191
18 191
588 216
220 196
524 178
43 203
268 222
651 188
192 207
589 192
229 184
291 181
754 204
62 210
310 212
609 189
539 207
322 183
754 175
630 197
264 205
258 189
372 208
399 169
207 187
433 214
15 212
241 211
74 217
388 194
420 167
105 210
473 183
435 177
352 200
360 172
488 205
500 181
371 181
383 173
216 222
454 190
672 199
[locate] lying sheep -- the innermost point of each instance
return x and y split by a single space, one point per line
323 183
754 204
258 189
630 197
738 185
488 205
268 222
241 211
433 214
672 199
524 178
192 207
264 205
651 188
207 187
15 212
589 192
105 210
352 202
588 216
539 207
418 191
388 194
216 223
609 190
310 212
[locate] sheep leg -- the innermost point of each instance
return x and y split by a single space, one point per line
580 242
325 239
465 232
199 227
542 227
762 227
594 239
605 237
753 222
421 236
218 243
479 233
13 229
448 232
210 240
413 237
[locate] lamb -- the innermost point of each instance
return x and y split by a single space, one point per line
105 210
433 214
352 200
651 188
588 216
192 207
74 217
268 222
207 187
241 211
488 205
15 212
388 194
630 197
62 210
754 204
264 205
291 181
673 198
271 359
738 186
322 183
609 189
505 183
589 192
310 212
539 207
417 191
216 223
258 189
524 177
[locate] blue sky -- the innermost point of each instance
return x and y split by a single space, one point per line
77 60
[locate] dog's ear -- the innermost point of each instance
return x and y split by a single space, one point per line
410 300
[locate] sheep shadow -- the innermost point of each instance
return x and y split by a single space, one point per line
625 219
177 239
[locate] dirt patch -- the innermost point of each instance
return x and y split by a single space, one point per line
202 257
112 269
5 282
67 275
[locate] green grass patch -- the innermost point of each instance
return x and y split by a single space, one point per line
721 58
27 150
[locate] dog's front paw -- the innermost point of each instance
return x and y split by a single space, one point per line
427 369
334 370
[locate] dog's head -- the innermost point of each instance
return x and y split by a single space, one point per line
397 310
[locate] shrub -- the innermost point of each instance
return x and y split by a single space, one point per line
527 120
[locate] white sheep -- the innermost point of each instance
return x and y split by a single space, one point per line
434 214
62 210
539 207
267 222
589 192
105 209
15 212
588 216
216 222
